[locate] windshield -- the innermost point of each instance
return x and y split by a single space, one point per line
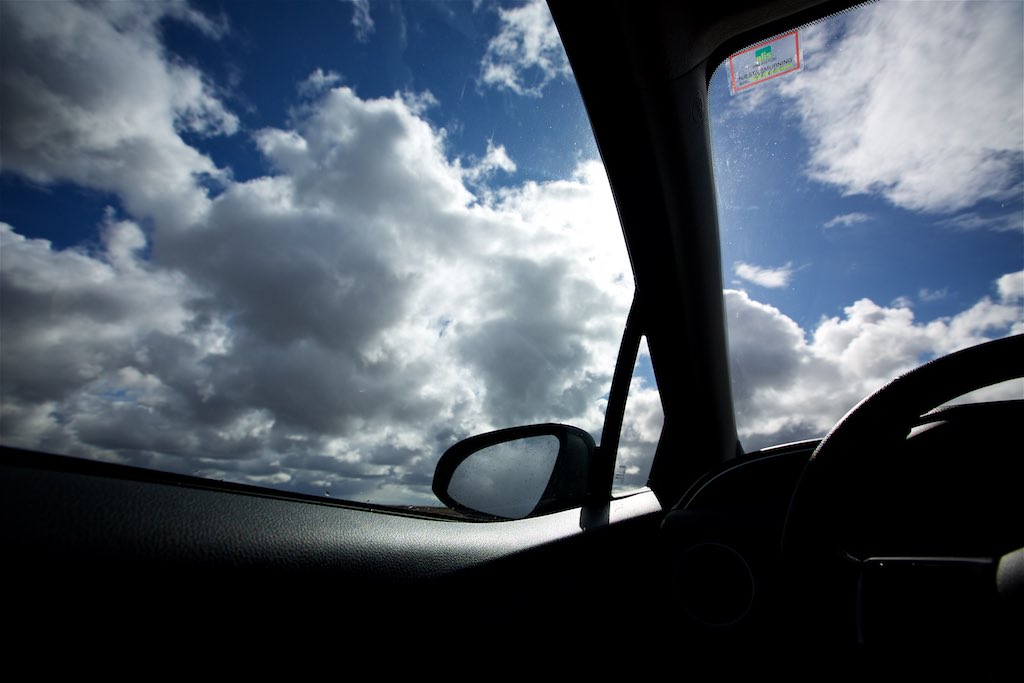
300 245
870 204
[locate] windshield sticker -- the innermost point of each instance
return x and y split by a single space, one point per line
764 62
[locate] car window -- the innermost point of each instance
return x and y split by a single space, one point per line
306 246
641 427
869 170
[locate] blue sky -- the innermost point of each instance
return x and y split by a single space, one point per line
311 249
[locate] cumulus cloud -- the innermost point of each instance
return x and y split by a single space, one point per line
89 98
765 277
790 383
1011 287
495 159
526 54
859 101
331 326
78 327
318 81
847 219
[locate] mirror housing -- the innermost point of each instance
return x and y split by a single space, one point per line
518 472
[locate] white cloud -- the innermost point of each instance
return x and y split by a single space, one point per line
1011 287
125 18
790 383
765 277
526 54
902 302
87 96
847 219
925 294
318 81
496 159
1009 222
361 19
77 322
418 102
334 325
887 106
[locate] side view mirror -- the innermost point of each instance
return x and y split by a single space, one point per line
517 473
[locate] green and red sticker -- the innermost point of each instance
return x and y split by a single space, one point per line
765 61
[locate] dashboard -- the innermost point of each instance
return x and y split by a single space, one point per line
914 553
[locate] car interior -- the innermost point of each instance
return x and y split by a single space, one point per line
866 538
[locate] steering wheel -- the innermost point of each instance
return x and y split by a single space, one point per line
843 594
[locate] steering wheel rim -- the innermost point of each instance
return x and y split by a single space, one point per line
863 438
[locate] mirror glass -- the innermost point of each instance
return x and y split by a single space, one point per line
507 479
